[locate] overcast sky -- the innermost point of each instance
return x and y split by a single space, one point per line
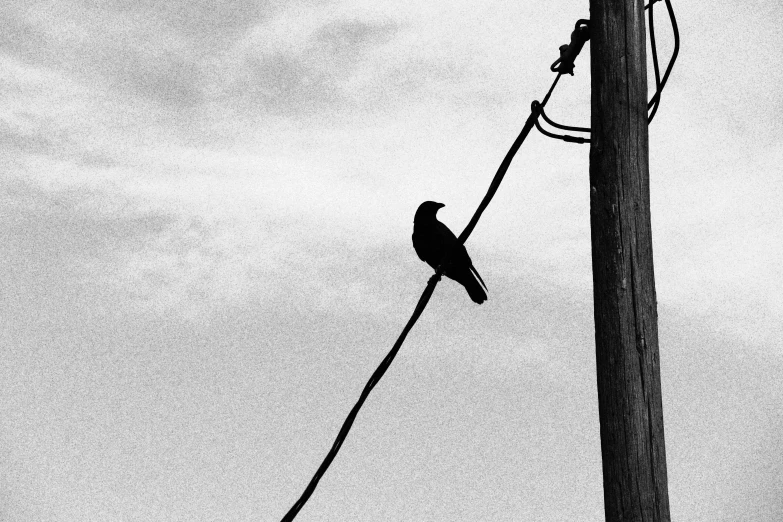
205 219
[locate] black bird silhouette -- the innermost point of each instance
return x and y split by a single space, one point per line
432 240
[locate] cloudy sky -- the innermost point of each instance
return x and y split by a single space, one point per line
205 219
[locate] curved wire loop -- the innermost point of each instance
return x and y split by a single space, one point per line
656 98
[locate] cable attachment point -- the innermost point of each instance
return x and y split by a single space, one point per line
537 109
569 52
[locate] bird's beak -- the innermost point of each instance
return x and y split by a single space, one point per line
440 205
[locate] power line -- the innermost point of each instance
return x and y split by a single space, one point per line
423 300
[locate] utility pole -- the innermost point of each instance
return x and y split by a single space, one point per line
626 319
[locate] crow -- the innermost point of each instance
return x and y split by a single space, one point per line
432 240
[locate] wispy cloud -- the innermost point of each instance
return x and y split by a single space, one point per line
303 64
136 56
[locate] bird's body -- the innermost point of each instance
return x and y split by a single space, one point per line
432 240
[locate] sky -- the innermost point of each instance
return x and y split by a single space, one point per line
205 219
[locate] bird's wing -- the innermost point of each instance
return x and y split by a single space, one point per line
460 255
444 232
475 272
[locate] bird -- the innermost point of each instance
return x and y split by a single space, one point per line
432 240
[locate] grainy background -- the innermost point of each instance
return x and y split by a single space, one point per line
205 219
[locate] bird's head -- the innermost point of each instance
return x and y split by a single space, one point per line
427 210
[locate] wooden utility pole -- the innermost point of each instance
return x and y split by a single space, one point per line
626 319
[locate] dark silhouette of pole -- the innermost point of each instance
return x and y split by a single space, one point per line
626 320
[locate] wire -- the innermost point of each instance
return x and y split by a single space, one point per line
656 98
651 23
374 379
564 137
504 165
565 64
552 88
420 306
564 127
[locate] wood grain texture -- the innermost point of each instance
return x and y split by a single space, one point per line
626 322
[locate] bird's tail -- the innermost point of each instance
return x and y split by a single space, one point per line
475 291
475 272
